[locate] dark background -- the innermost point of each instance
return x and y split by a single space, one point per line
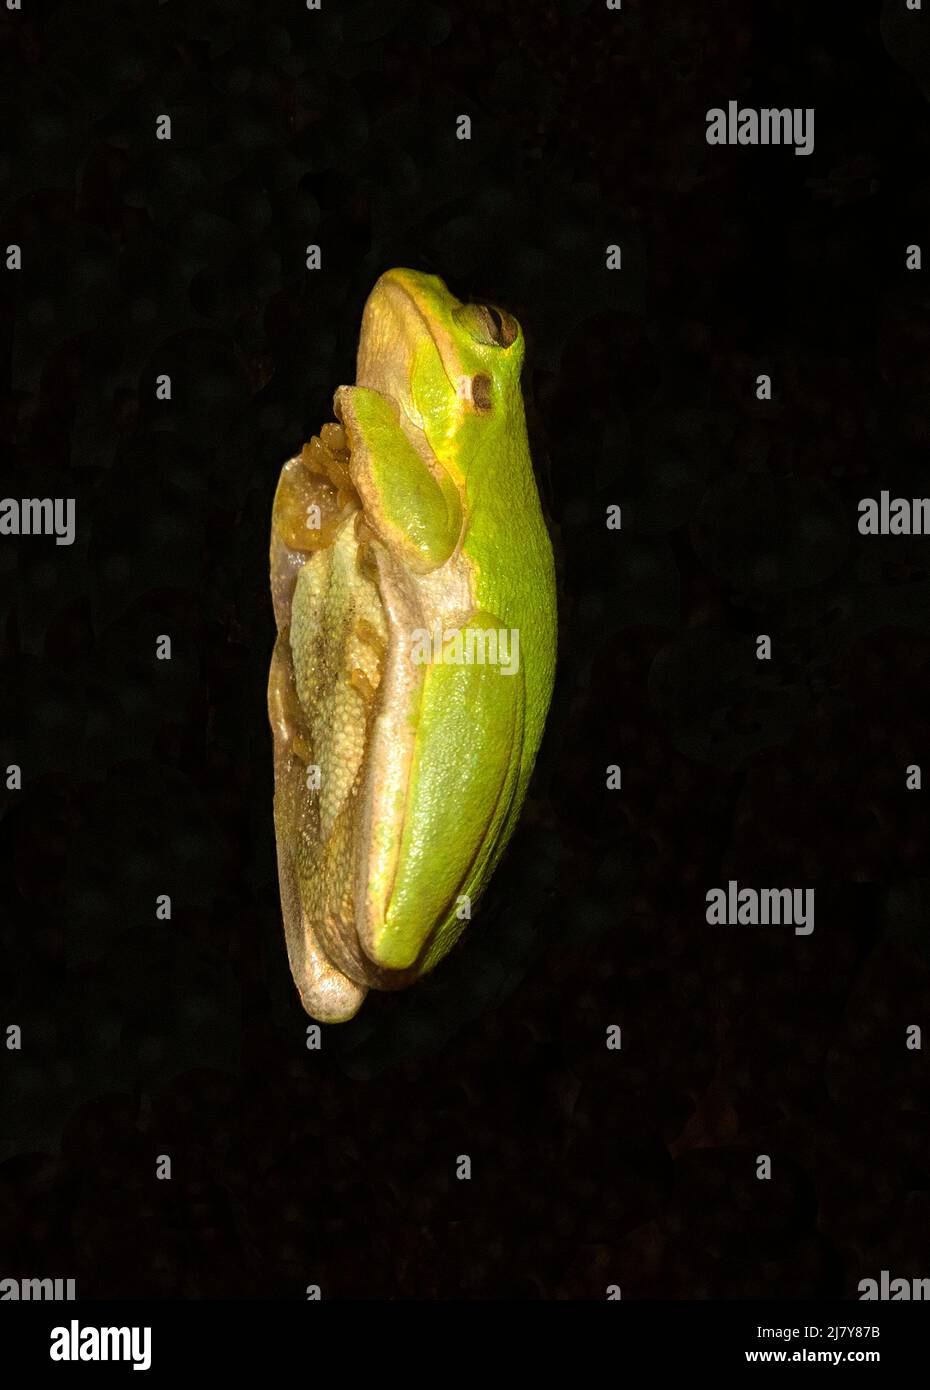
144 777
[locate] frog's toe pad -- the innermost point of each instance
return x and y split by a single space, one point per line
326 993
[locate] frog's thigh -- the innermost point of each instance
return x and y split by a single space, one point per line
466 757
326 993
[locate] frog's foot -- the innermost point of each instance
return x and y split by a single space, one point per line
313 498
314 493
326 993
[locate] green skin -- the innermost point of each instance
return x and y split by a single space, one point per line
442 465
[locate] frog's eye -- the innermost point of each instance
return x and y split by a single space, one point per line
487 324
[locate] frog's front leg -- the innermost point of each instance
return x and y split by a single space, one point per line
409 499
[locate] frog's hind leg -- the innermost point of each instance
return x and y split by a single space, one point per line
326 993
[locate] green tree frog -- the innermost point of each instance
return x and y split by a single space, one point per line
414 596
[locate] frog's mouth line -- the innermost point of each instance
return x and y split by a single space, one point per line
394 325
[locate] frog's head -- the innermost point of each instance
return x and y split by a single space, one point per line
453 369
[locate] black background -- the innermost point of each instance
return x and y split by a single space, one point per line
143 777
